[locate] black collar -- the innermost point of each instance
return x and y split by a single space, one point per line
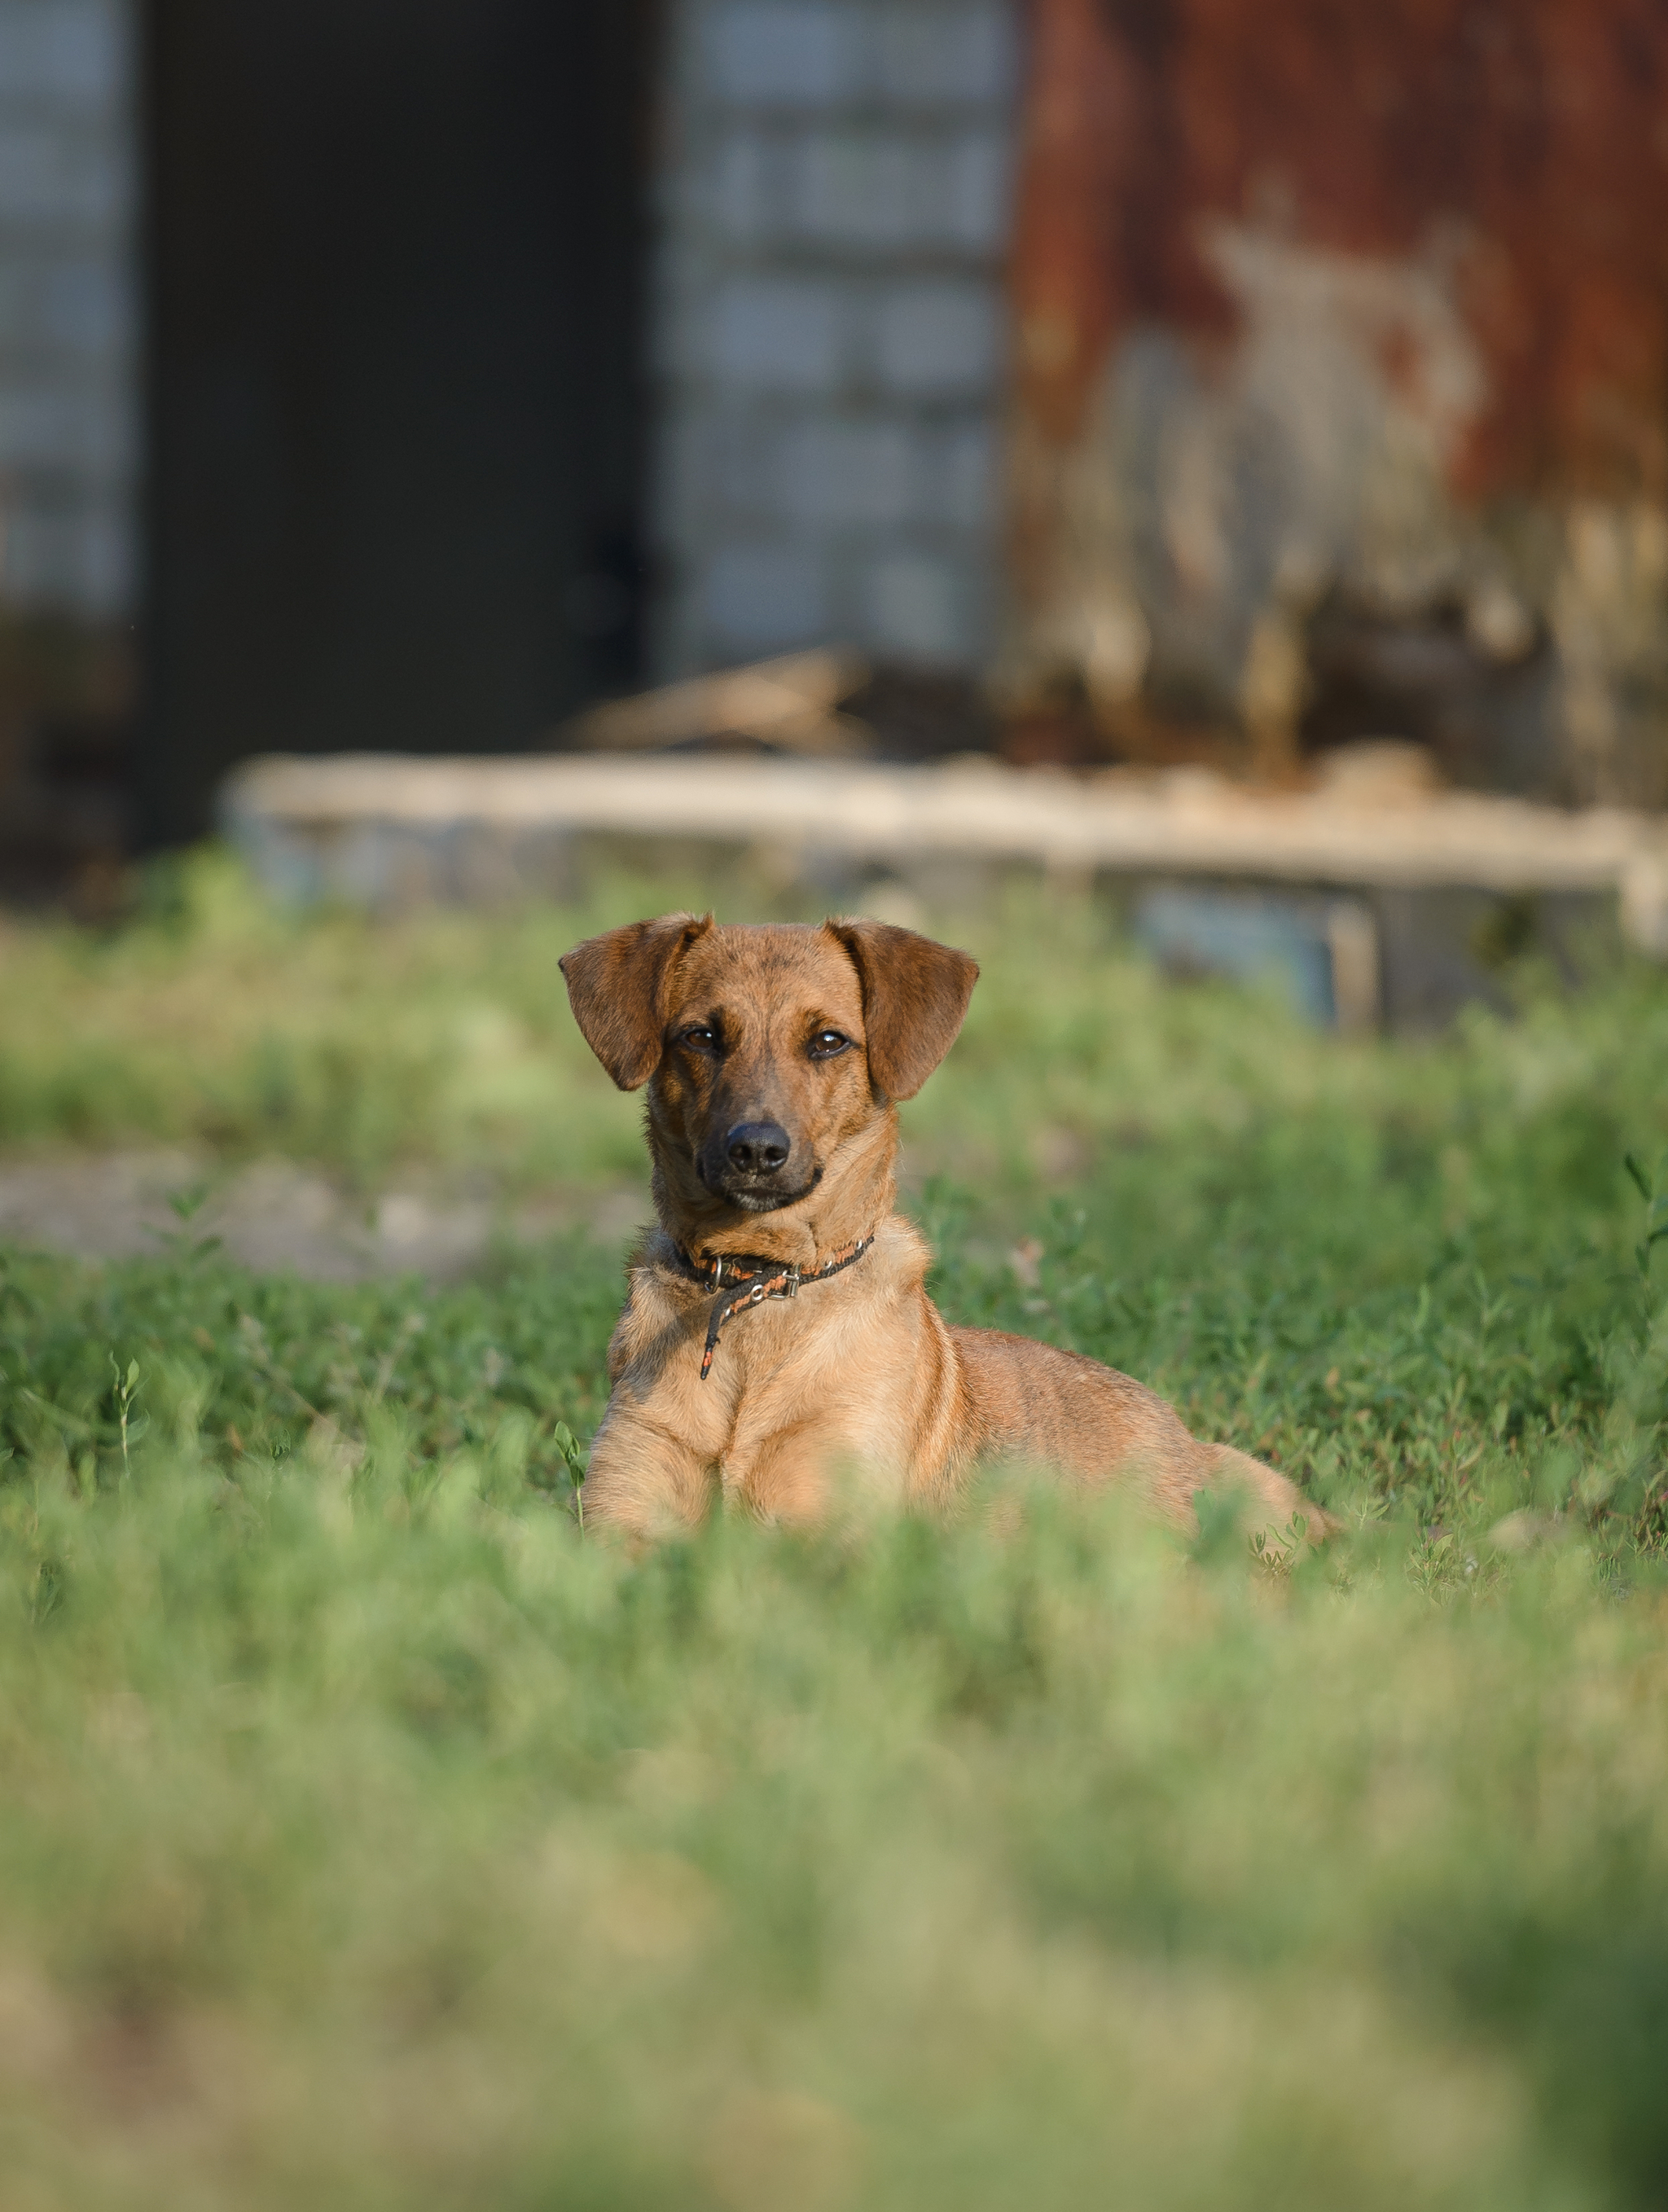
744 1280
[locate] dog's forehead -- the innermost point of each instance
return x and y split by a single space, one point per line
766 963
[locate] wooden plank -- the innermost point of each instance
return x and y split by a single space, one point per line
1183 824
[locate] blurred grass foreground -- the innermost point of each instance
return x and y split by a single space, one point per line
368 1838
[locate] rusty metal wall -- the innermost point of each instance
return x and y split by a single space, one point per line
1341 383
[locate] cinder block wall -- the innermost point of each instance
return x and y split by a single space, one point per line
834 192
69 340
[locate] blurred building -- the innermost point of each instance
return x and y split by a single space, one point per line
69 429
1189 379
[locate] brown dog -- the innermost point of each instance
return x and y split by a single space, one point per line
779 1338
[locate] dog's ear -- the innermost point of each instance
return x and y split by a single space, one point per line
619 985
915 1000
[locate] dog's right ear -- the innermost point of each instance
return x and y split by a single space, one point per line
619 985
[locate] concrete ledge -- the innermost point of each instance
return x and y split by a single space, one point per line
1184 823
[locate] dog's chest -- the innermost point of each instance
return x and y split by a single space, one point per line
823 1360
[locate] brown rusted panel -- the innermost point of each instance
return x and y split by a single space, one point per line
1535 134
1468 199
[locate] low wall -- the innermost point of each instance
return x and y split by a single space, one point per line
1403 900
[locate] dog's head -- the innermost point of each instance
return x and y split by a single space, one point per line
765 1049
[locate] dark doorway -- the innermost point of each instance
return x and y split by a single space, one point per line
396 260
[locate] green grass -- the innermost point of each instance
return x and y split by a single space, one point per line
367 1837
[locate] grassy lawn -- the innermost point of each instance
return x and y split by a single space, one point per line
367 1839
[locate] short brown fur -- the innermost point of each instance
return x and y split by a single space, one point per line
857 1382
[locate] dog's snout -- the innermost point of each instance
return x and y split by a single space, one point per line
757 1147
755 1164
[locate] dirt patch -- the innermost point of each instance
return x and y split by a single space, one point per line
278 1217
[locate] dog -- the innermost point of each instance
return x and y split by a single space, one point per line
778 1350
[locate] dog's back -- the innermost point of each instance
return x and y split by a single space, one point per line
1034 1403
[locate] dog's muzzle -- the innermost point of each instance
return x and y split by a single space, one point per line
751 1166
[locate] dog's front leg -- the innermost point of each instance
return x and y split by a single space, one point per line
783 1477
644 1481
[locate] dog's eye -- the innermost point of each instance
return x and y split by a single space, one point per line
700 1035
826 1043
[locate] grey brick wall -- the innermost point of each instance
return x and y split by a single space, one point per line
69 377
834 197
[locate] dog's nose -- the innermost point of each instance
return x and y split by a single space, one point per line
757 1147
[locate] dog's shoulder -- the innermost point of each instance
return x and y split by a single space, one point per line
659 1299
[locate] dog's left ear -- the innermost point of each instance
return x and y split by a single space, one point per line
617 986
915 1000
